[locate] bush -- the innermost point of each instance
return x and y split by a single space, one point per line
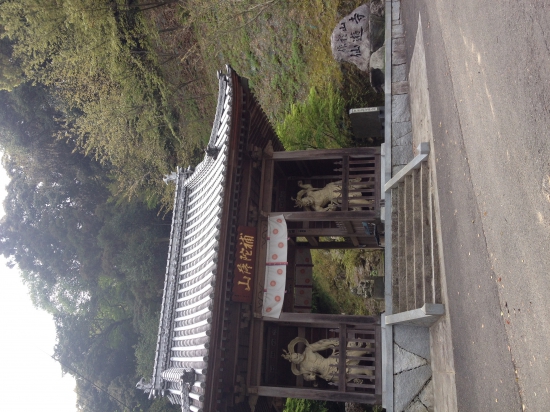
304 405
318 123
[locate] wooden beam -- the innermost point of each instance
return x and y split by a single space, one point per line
365 377
326 153
351 231
345 185
356 169
343 345
313 241
256 325
255 354
318 394
245 192
310 319
266 192
360 385
357 162
232 348
288 301
365 358
304 177
325 232
367 242
352 215
368 187
329 245
301 334
378 363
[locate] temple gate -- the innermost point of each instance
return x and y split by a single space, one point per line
235 330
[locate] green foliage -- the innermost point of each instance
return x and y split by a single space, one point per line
147 323
105 80
318 123
284 50
356 89
162 404
10 74
304 405
267 41
336 272
323 300
332 286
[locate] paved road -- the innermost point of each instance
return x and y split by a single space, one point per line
488 67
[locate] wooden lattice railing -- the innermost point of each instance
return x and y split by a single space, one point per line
360 176
358 372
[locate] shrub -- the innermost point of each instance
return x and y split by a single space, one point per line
317 123
304 405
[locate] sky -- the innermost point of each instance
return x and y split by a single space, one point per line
31 380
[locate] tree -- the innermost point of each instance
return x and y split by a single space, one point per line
84 124
10 74
96 349
105 84
49 230
50 225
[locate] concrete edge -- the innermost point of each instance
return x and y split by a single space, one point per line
423 150
387 331
382 179
443 370
445 394
426 316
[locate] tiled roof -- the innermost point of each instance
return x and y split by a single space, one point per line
185 320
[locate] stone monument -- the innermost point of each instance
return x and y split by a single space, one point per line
359 39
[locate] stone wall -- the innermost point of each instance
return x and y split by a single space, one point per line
412 373
412 379
401 136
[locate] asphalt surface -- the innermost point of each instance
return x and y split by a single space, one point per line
488 67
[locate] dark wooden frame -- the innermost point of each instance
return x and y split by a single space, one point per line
350 219
345 391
